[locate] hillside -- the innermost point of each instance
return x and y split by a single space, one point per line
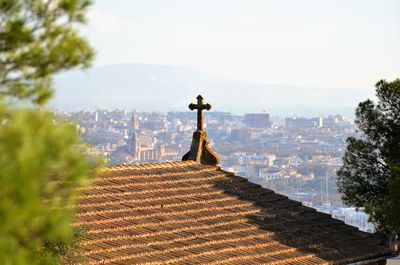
148 87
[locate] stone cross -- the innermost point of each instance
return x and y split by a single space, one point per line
200 150
200 107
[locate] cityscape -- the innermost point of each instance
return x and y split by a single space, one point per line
111 155
294 156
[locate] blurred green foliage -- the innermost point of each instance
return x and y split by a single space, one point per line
39 38
42 162
41 166
370 175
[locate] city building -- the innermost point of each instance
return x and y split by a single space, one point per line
143 152
270 173
257 120
298 122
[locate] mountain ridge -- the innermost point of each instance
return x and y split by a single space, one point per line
155 87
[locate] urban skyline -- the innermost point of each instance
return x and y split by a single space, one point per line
294 156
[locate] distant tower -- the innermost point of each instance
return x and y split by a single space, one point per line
134 145
133 124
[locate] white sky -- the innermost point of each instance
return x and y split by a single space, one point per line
322 43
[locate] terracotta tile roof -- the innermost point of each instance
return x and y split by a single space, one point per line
188 213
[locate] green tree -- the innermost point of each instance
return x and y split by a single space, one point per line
39 38
42 163
370 175
41 166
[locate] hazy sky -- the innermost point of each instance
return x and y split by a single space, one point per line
324 43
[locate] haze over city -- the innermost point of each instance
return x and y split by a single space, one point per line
329 53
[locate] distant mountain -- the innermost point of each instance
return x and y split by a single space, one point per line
149 87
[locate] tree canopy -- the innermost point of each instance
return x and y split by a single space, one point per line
370 175
41 166
42 163
39 38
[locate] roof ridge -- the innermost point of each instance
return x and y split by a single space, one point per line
151 166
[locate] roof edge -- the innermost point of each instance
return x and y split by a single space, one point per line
369 261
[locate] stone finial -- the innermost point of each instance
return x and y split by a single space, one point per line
200 150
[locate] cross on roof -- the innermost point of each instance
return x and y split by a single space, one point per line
200 107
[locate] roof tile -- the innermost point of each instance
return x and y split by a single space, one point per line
188 213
